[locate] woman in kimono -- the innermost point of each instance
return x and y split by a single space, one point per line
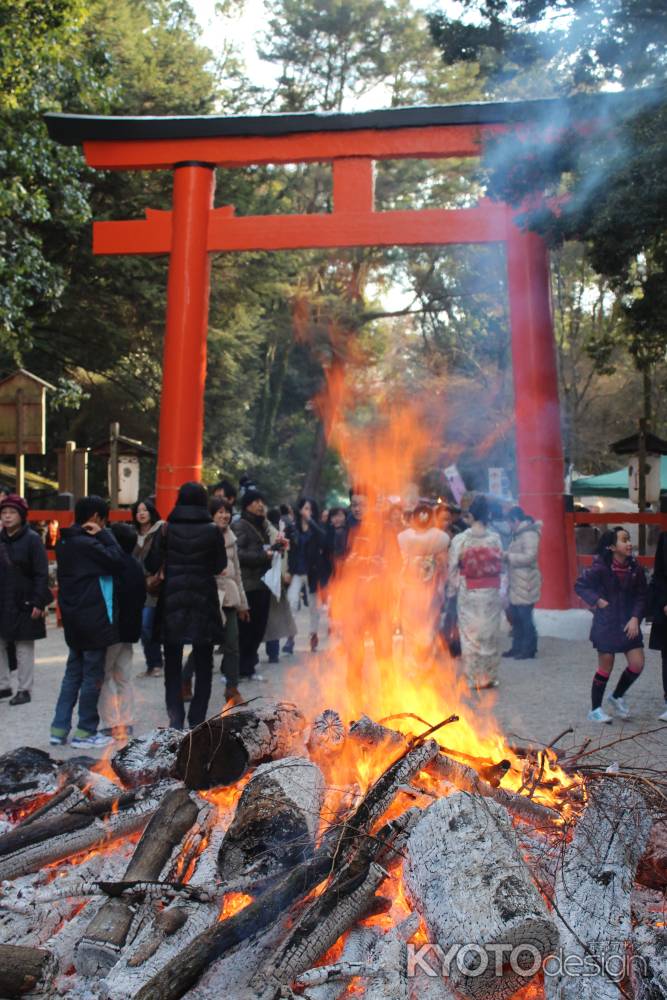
475 565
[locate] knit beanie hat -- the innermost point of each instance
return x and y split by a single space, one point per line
192 495
17 503
249 497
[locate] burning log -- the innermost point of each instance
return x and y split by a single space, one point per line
466 779
25 769
84 825
24 970
220 750
593 886
370 735
465 875
648 966
107 932
327 734
345 901
339 847
148 758
275 823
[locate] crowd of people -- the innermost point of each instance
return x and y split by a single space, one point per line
226 572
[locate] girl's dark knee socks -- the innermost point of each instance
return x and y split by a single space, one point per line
627 678
597 691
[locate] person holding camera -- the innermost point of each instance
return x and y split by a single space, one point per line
24 593
255 550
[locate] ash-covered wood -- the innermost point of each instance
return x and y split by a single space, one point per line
593 887
275 823
220 750
339 847
648 962
465 875
652 868
148 758
88 824
24 767
345 901
466 779
327 734
24 970
372 735
107 932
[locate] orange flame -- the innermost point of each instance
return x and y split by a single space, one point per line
233 902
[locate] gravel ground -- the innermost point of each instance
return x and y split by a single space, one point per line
536 700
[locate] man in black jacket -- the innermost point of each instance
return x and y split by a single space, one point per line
88 558
190 552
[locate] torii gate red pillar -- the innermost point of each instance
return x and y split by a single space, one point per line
539 449
184 367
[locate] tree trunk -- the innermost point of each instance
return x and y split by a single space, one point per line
311 484
593 886
274 826
465 875
107 932
220 750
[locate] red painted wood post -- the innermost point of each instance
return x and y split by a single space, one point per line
184 365
538 436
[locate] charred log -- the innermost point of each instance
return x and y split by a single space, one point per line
107 932
345 901
652 868
466 877
339 847
275 823
593 886
148 758
24 970
466 779
220 750
87 824
648 964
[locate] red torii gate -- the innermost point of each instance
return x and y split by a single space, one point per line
192 147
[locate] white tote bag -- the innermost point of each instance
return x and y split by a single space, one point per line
273 576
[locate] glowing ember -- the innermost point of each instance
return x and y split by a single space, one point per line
234 901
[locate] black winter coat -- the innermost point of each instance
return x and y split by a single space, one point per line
625 602
313 539
83 561
192 552
252 534
24 585
658 596
130 587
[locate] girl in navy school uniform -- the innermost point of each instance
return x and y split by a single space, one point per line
614 587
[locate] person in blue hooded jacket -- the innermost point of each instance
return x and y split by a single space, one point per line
88 559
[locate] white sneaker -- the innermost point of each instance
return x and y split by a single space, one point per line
663 717
95 741
618 705
597 715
